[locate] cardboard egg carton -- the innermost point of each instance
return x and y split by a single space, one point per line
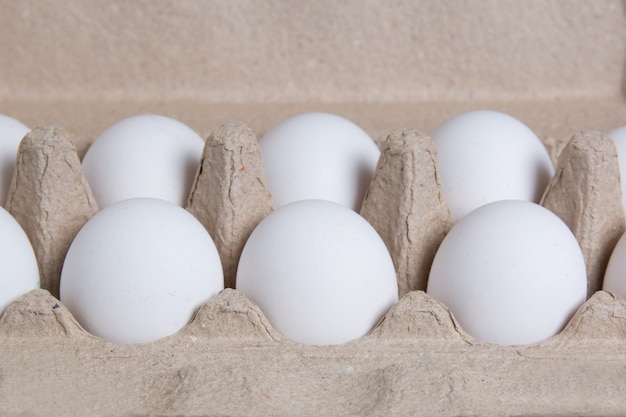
229 360
396 70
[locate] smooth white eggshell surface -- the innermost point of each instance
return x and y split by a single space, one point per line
138 270
319 272
485 156
12 132
319 156
146 155
511 272
615 275
619 138
19 271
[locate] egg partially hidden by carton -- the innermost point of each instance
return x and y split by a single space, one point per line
485 156
146 155
319 156
511 272
138 270
619 139
12 132
19 271
319 272
615 275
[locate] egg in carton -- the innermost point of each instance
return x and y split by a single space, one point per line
229 360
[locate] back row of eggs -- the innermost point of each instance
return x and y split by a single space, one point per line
313 155
288 128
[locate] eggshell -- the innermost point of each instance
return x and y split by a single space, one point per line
319 156
485 156
615 275
12 132
19 271
146 155
138 270
511 272
319 272
619 138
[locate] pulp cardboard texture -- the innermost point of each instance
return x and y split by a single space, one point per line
232 70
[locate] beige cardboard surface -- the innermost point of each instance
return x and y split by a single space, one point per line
248 51
50 211
586 193
229 361
230 195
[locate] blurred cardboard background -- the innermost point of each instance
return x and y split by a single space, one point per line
385 64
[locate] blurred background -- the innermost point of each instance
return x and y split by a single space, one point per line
558 65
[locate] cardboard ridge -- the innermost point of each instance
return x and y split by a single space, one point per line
230 317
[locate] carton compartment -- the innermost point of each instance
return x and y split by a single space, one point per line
230 361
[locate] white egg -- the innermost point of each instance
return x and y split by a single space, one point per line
511 272
319 156
138 270
143 156
615 275
19 271
12 132
619 138
485 156
319 272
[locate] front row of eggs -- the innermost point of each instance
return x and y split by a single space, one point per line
19 270
319 271
511 272
139 269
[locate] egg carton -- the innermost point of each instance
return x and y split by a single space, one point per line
229 360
